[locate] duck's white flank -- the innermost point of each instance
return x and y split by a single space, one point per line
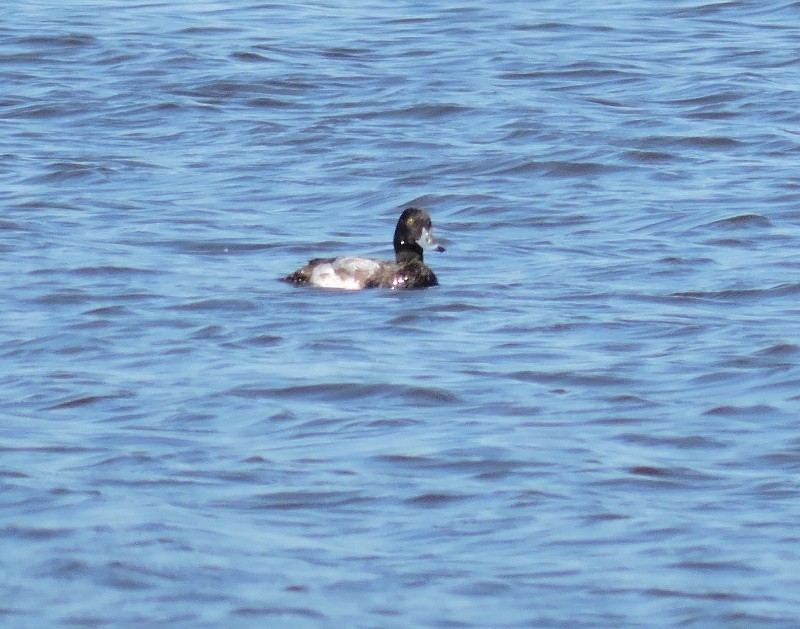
350 273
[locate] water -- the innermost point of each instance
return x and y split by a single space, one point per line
593 421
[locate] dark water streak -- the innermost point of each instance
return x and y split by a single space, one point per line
593 421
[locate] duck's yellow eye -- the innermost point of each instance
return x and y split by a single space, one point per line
410 221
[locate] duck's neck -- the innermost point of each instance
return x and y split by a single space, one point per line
405 252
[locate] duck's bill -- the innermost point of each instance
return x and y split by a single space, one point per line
428 242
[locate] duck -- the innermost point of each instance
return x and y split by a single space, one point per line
408 270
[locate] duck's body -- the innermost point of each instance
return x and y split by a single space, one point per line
354 273
408 270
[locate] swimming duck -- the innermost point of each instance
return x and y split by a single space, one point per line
354 273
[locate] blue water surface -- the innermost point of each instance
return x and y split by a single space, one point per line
594 421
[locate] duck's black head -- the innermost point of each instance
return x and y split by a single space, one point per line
413 229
